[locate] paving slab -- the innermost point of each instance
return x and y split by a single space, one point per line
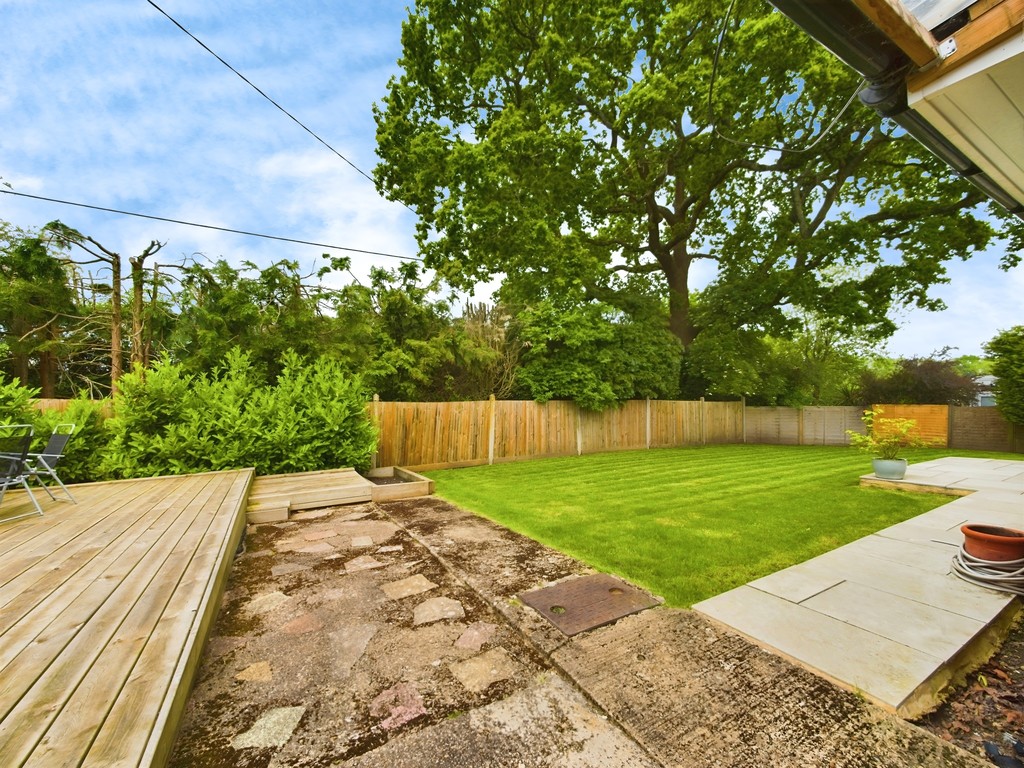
884 615
478 673
414 585
915 624
273 729
437 609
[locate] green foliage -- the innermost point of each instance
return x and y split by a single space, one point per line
591 354
83 456
16 403
169 422
36 305
562 145
265 312
1007 352
920 380
408 346
973 365
886 438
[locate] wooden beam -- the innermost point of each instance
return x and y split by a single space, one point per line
992 27
903 28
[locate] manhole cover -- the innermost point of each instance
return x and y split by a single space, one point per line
587 602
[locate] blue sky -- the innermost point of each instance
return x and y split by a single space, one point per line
106 102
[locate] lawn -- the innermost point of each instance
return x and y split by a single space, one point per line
689 523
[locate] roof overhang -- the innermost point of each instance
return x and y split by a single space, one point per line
958 87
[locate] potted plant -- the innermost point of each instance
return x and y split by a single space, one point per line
885 440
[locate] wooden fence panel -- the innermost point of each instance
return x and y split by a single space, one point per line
980 429
429 435
614 429
675 422
827 425
775 426
932 420
524 429
723 422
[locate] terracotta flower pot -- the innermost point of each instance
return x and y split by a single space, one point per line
993 542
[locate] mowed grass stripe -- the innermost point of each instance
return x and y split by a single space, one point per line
689 523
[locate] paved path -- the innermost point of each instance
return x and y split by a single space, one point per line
885 615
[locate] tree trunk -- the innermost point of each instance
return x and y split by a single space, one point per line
139 340
115 323
47 379
138 321
679 320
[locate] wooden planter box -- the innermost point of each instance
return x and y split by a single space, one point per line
412 484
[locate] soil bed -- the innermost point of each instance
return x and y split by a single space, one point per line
990 705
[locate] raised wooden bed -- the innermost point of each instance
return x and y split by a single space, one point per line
411 485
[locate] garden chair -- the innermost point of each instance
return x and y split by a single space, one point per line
38 465
15 440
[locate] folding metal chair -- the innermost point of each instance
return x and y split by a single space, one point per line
15 440
38 465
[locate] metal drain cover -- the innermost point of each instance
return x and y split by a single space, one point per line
587 602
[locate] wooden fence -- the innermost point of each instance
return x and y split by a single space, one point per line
819 425
458 434
435 435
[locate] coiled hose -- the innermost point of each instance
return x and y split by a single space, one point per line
1004 575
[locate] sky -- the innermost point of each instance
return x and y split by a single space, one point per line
108 103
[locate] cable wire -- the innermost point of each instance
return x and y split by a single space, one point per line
258 90
212 226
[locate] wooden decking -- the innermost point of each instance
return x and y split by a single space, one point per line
104 607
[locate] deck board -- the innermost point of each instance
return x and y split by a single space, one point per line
105 609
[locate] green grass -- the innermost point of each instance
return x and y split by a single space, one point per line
689 523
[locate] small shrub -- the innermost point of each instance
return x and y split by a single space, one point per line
886 438
16 403
83 457
167 422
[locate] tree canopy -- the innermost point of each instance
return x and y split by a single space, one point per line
566 146
1007 352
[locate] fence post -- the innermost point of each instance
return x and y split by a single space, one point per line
800 426
949 426
743 417
703 425
376 424
648 423
490 433
579 431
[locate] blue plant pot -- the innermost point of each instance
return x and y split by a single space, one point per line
889 469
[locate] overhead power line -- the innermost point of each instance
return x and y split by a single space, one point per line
212 226
258 90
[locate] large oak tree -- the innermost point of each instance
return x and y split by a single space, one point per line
569 145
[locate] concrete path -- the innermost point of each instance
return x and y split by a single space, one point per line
885 616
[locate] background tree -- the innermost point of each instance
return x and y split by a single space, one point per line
1007 353
409 345
593 354
265 312
923 380
562 144
36 305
